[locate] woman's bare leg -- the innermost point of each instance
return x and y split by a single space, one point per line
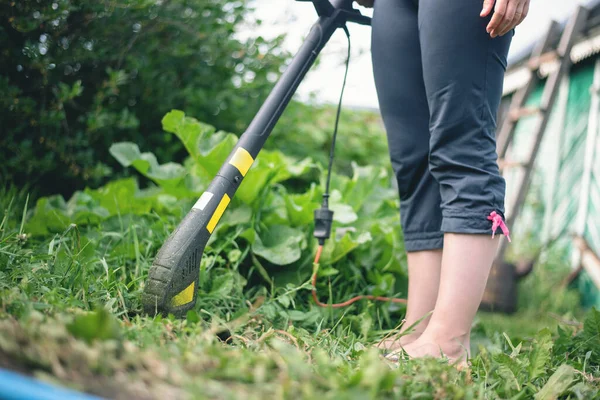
466 264
424 268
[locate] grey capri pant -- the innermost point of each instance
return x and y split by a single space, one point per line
439 79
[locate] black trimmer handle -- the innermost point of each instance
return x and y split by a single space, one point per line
326 9
323 7
172 283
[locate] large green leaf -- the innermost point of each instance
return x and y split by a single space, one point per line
84 209
122 196
342 213
238 217
93 206
363 183
49 216
186 129
169 175
207 148
254 182
301 207
269 168
273 210
335 249
279 244
386 252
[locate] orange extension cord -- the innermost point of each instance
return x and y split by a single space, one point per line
347 302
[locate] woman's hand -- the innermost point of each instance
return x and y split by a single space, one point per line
507 15
366 3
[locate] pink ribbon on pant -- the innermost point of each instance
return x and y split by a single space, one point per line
498 222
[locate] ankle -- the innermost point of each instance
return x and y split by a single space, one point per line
409 337
442 333
415 324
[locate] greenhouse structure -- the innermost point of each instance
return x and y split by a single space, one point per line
563 201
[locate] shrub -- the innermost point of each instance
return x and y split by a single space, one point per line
80 74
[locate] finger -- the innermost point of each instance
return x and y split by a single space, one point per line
519 15
499 12
507 21
518 18
488 6
509 18
525 11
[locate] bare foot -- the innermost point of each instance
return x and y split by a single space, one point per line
456 349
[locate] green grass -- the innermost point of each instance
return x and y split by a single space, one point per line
70 314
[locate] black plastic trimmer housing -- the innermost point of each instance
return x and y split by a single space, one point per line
172 282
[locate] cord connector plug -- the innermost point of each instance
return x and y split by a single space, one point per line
323 221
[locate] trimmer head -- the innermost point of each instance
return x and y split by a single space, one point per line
172 284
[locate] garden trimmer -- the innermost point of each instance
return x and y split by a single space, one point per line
173 278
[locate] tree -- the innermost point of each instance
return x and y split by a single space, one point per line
78 75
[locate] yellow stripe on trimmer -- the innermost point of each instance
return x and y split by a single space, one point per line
218 213
242 160
184 297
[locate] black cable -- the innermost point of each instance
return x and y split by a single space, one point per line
323 215
337 121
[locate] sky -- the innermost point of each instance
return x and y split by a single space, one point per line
324 81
